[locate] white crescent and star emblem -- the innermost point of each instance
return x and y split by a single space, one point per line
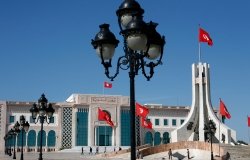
140 110
205 37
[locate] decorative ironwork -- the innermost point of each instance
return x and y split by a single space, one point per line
67 127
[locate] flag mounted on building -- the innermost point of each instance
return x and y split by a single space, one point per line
107 85
103 115
146 123
248 121
223 110
205 37
141 110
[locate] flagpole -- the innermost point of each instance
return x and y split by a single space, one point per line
199 52
248 135
199 46
219 127
219 138
98 134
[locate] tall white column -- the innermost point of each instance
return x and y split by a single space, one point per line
91 129
201 103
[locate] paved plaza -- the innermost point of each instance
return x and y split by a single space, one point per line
126 156
237 153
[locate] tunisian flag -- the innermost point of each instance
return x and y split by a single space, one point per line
141 110
248 121
204 37
104 116
107 85
223 110
146 123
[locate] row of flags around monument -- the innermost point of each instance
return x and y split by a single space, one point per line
205 37
142 111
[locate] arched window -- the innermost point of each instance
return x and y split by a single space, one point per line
148 138
43 138
157 138
51 141
32 138
166 138
19 138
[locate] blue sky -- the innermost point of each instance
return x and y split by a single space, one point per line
45 47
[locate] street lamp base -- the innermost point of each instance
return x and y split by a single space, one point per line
14 155
40 156
21 156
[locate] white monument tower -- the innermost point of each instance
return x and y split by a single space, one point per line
201 111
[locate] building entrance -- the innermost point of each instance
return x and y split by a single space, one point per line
104 136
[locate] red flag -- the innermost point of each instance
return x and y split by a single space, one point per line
204 37
223 110
141 110
107 85
248 121
104 116
146 123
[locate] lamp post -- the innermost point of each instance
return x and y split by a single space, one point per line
10 134
143 49
15 132
210 128
43 112
12 137
5 144
24 128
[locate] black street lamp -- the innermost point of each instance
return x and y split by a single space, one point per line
142 46
10 137
16 131
13 139
5 144
7 138
44 112
24 128
210 128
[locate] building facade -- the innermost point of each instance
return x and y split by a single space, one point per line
75 123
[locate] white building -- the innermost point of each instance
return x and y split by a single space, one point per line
75 123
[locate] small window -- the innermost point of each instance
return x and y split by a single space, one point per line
157 123
52 120
12 119
173 122
165 121
32 120
182 120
